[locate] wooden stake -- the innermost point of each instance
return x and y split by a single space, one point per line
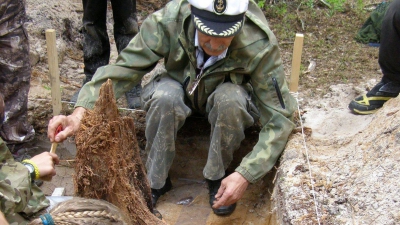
54 71
296 60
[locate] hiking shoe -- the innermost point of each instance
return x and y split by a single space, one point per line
213 186
372 101
133 97
156 193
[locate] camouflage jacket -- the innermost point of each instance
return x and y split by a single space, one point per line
253 59
19 197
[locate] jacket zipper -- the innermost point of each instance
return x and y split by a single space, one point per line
194 89
278 92
197 80
191 62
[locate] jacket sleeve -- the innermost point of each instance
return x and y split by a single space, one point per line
139 58
17 192
276 123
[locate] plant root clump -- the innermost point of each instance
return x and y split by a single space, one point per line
108 164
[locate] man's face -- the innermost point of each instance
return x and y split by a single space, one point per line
213 46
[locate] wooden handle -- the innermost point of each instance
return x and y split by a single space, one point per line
54 144
53 147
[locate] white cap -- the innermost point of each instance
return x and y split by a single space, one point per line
222 7
221 18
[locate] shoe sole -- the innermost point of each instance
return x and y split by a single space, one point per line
364 112
225 212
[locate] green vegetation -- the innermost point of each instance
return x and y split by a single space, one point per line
329 27
334 6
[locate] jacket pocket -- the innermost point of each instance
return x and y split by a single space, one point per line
253 110
237 78
212 82
149 89
251 106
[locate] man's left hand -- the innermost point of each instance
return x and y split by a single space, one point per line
231 190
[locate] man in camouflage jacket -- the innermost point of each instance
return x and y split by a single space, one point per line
246 84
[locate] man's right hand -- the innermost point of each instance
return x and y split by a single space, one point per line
70 125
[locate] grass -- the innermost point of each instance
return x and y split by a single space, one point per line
329 40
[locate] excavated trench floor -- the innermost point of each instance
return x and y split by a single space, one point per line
187 202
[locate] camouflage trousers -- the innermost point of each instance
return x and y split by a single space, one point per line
164 101
15 72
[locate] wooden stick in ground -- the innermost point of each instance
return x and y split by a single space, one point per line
296 60
54 71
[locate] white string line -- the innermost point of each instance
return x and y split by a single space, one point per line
73 103
296 95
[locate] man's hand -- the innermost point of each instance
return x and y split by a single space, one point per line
231 190
46 162
70 125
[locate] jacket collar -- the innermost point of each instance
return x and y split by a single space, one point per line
187 40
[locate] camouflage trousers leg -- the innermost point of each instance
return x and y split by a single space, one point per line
163 99
15 74
227 109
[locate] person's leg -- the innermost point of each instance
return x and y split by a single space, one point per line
389 57
228 116
389 50
125 28
389 60
166 114
15 74
96 46
125 22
